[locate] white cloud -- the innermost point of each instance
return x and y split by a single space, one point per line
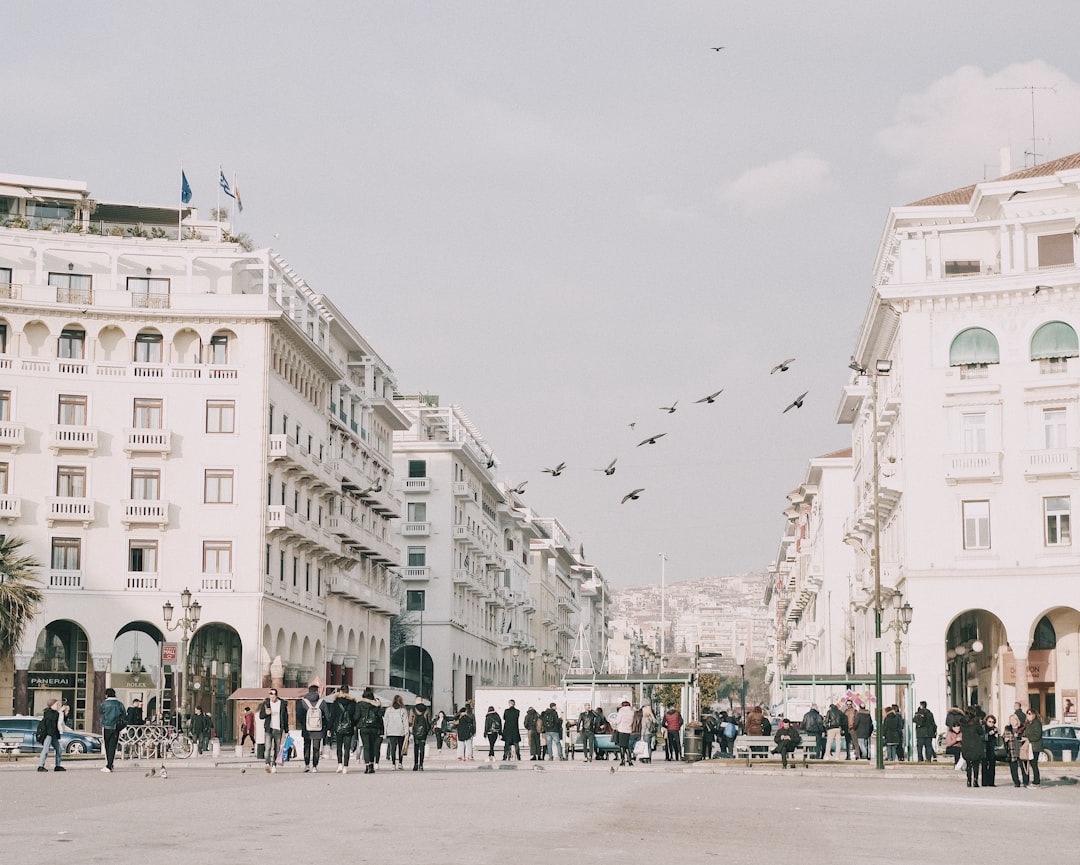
951 133
779 183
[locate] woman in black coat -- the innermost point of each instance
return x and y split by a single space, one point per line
972 746
990 731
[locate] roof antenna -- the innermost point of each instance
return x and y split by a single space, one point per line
1031 88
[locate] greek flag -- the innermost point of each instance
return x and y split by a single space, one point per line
225 185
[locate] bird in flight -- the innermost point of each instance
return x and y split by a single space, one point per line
490 461
718 48
1039 288
797 402
670 409
374 488
610 470
519 490
782 366
632 496
711 398
633 424
651 440
555 472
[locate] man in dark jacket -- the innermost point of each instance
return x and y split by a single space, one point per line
552 724
835 722
344 727
200 729
511 731
492 730
814 725
275 717
864 729
892 731
925 731
313 716
369 726
113 716
787 739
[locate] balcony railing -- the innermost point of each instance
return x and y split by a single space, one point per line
216 583
10 506
419 573
416 485
12 434
65 579
72 437
147 441
1053 462
145 512
69 509
139 581
984 466
410 530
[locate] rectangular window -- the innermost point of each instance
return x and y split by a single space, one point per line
3 332
973 426
960 268
218 486
3 478
1054 435
295 570
417 512
307 576
72 287
220 415
417 468
71 345
281 566
977 525
417 557
143 557
146 484
148 348
218 350
66 554
5 277
1058 531
71 481
71 409
217 557
146 413
1055 250
5 405
148 293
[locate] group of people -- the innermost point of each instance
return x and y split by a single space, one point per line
973 737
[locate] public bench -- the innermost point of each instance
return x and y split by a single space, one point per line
10 744
761 748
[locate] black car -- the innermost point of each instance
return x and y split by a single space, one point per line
71 741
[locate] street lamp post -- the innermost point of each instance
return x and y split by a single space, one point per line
903 612
188 623
515 652
740 659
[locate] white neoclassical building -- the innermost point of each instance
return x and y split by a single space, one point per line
180 412
966 396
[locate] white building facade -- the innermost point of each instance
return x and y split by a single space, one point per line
968 403
182 412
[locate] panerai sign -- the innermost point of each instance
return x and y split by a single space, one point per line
1040 667
51 681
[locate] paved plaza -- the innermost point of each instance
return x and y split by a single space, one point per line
210 811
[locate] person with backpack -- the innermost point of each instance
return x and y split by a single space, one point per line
492 730
814 725
313 715
396 728
344 727
552 724
369 726
48 736
511 731
420 728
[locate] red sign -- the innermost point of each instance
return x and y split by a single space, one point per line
170 652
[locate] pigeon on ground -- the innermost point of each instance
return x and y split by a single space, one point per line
783 366
651 440
634 495
162 773
797 402
711 398
555 472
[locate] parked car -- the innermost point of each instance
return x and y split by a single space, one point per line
71 741
1058 739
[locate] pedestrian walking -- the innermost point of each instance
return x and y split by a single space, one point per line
972 746
925 731
511 731
396 728
420 728
992 738
275 717
344 726
673 723
624 727
369 725
466 729
135 713
200 730
50 722
552 726
438 727
835 721
1033 732
113 716
313 716
534 726
813 724
864 729
492 731
648 732
247 728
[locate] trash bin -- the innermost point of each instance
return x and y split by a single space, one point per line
215 747
692 744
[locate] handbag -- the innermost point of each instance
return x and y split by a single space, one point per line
1026 752
961 764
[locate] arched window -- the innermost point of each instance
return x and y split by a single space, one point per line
148 347
1045 635
1055 339
975 346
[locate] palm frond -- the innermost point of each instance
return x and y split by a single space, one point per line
21 593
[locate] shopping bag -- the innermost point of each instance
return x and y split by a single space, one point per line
961 764
641 749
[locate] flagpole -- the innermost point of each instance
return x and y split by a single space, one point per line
180 209
217 215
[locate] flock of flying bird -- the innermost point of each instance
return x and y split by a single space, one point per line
708 399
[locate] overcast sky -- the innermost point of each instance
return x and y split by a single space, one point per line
564 215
